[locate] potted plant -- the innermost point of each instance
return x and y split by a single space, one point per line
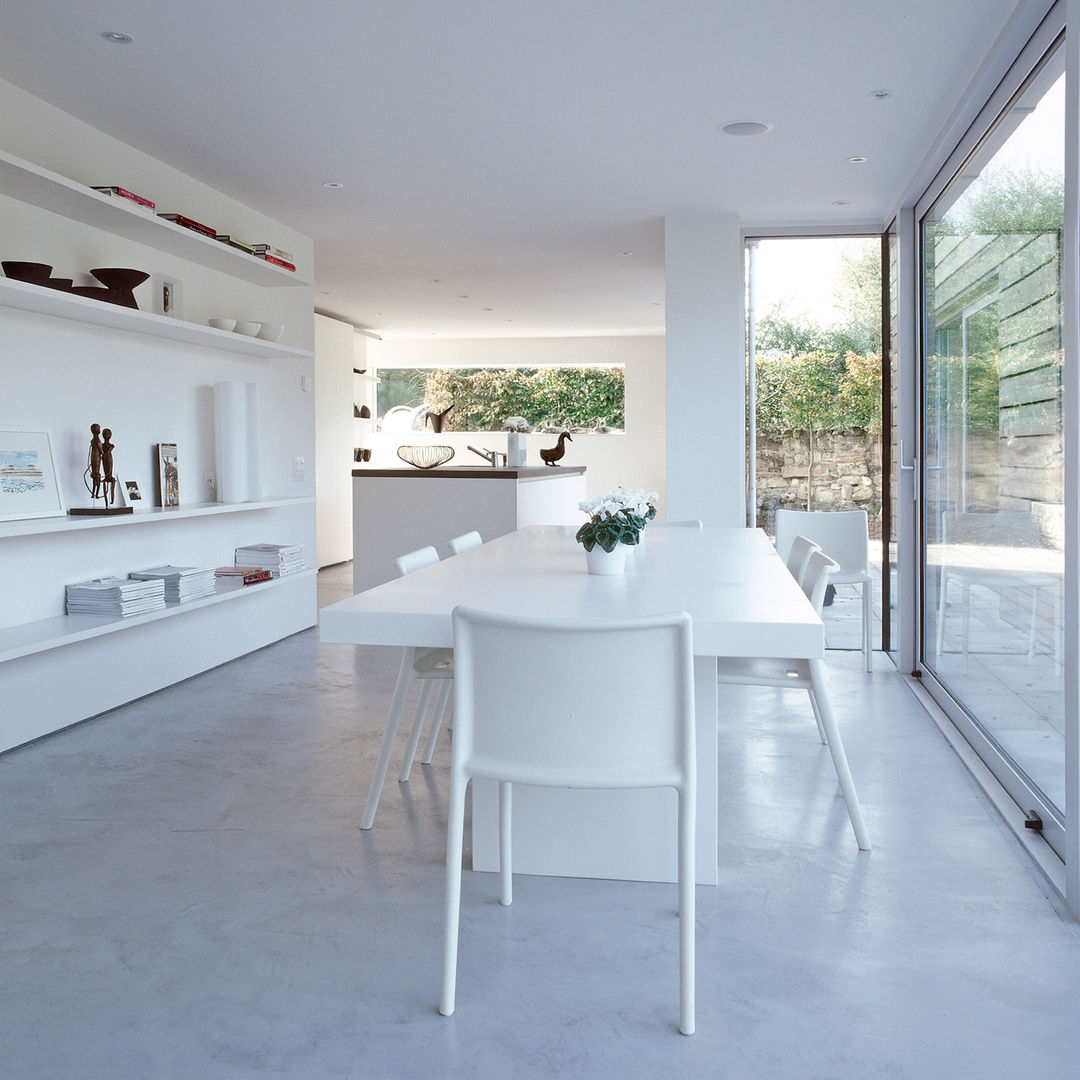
615 524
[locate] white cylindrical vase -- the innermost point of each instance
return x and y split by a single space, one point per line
604 562
515 449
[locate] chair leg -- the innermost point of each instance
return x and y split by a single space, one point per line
382 762
417 728
687 843
506 868
817 720
840 763
455 832
440 714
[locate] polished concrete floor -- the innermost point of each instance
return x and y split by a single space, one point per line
186 895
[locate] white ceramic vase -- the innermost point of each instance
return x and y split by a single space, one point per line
515 449
606 562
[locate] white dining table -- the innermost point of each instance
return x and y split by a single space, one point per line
742 601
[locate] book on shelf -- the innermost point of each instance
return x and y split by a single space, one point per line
275 260
279 559
123 193
190 223
182 583
115 596
278 253
243 575
225 238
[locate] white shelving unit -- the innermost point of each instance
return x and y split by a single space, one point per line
36 637
151 515
32 184
36 298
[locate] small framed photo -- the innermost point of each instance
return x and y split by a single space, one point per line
128 494
168 296
168 475
29 484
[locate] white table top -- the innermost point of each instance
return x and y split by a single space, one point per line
738 592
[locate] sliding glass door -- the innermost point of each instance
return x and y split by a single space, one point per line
992 551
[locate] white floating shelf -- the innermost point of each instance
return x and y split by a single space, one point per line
36 637
149 516
63 305
41 187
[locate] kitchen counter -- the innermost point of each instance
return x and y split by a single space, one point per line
478 472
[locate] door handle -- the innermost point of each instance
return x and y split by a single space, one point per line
913 468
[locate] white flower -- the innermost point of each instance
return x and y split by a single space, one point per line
637 501
516 423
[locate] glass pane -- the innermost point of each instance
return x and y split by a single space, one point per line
993 488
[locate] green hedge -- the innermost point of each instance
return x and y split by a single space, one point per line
818 392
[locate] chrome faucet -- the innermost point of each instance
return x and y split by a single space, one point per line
490 456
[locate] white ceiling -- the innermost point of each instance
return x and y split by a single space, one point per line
498 157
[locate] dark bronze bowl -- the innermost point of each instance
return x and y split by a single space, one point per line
95 292
118 278
61 284
34 273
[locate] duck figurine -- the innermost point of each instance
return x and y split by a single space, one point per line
552 455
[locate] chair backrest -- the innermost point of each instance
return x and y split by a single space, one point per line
465 541
841 534
692 523
819 568
570 702
416 560
798 556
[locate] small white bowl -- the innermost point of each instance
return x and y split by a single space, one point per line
223 324
248 329
271 331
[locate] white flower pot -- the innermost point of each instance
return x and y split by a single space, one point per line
606 562
515 449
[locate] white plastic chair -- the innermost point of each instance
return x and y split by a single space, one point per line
843 536
427 666
806 675
799 555
465 541
692 523
619 714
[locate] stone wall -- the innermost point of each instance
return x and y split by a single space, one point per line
846 475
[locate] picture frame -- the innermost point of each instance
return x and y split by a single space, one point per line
168 475
168 296
29 482
131 493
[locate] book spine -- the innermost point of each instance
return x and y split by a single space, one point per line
269 249
188 223
277 262
125 194
253 579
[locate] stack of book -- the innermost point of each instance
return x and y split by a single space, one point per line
129 198
190 223
225 238
279 559
242 575
181 582
115 596
275 255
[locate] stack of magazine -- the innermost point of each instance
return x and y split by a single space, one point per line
115 596
279 559
181 582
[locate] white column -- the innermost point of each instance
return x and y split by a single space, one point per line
705 369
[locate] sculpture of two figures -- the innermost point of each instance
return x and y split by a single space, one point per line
98 476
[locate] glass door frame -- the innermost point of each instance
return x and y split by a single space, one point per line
1060 833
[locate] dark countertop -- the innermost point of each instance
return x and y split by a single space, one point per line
478 472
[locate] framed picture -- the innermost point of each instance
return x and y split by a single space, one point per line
132 495
29 484
168 475
168 296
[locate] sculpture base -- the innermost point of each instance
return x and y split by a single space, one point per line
98 511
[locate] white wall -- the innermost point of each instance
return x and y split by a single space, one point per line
337 349
635 459
705 369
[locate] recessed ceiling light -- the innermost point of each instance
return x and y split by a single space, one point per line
858 159
880 95
487 309
333 184
841 202
745 127
625 253
380 314
436 281
463 296
116 37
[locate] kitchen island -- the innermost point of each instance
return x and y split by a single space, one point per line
399 510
